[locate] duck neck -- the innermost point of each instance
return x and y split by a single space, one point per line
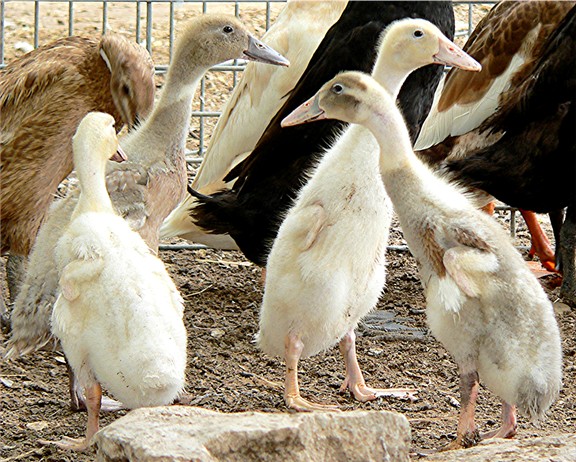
170 120
91 175
389 129
388 70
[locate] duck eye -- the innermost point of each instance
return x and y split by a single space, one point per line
418 33
337 88
228 29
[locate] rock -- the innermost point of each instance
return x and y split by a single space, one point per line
550 448
179 433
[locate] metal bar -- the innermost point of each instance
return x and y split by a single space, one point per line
149 27
2 36
138 25
171 39
36 22
104 16
71 18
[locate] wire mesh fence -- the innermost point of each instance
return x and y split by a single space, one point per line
26 24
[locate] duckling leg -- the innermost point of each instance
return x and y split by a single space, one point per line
540 244
467 434
93 402
355 380
77 400
509 426
293 347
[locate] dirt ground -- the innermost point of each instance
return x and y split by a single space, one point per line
226 371
222 293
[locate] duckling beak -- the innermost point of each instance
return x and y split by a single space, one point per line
453 55
258 51
119 155
309 111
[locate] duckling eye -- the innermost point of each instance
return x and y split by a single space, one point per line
337 89
228 29
126 90
418 33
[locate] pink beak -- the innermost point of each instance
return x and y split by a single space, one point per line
307 112
119 155
453 55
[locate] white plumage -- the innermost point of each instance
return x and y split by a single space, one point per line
119 315
326 269
483 303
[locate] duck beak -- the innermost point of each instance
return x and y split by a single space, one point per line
119 155
307 112
453 55
258 51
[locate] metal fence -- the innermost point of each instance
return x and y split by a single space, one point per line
24 25
140 25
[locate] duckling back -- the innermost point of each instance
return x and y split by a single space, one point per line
119 316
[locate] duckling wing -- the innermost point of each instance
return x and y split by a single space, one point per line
307 223
469 260
78 272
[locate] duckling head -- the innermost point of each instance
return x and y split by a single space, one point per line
416 42
96 134
211 39
346 97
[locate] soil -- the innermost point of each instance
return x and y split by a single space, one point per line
226 371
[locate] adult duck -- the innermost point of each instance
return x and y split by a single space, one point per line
507 42
266 182
147 187
531 139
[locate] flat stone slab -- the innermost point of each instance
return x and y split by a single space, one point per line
182 433
558 448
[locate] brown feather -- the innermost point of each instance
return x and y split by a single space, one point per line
43 96
495 41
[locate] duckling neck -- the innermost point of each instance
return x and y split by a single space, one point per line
389 129
93 194
170 120
388 70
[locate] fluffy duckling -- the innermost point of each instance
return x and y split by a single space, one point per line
119 315
483 303
310 263
145 189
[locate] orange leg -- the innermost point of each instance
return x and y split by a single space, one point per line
509 426
293 350
489 208
467 434
93 402
540 243
355 380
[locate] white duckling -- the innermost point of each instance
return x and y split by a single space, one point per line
483 303
145 189
119 315
321 277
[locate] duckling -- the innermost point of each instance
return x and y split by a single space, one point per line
311 264
483 303
119 315
145 189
